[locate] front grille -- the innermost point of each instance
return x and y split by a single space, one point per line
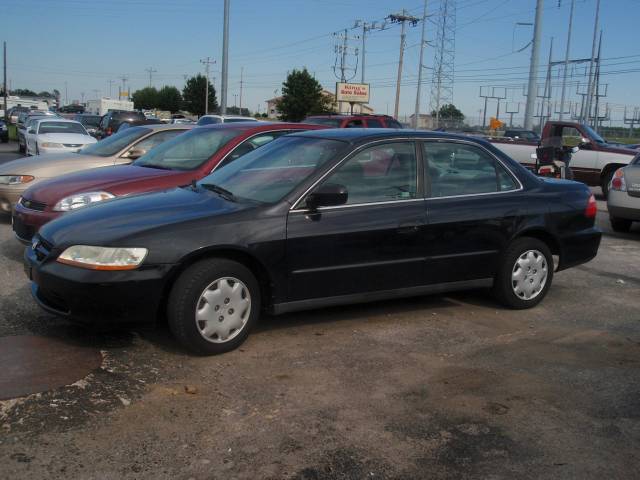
33 204
72 145
41 247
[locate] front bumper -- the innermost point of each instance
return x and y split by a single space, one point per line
96 297
579 247
27 222
43 150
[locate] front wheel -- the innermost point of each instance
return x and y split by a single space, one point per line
213 305
525 274
620 224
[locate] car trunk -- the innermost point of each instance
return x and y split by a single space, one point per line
632 179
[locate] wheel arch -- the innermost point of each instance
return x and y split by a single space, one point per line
608 168
231 253
544 236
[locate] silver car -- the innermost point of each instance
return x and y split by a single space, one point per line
623 201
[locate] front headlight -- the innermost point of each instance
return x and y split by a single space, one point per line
103 258
15 179
80 200
52 145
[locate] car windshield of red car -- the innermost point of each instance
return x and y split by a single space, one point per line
188 151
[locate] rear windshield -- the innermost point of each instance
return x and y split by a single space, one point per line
111 145
90 121
61 127
209 120
332 122
188 151
236 120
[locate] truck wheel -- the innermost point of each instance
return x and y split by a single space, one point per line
213 305
524 275
620 224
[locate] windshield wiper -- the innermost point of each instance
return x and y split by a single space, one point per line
223 192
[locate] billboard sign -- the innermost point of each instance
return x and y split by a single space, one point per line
352 92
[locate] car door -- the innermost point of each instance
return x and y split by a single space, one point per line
473 206
30 135
373 242
146 144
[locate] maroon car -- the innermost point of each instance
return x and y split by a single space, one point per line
180 161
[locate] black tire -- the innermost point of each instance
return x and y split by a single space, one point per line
185 296
620 224
21 148
37 150
606 180
503 284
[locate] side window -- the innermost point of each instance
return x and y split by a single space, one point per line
570 136
251 144
104 122
354 124
378 174
391 123
374 123
156 139
458 169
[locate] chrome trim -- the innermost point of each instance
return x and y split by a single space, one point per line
337 207
348 156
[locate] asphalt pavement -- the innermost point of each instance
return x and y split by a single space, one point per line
444 386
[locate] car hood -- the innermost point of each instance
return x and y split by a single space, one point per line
124 221
53 164
118 180
612 149
74 138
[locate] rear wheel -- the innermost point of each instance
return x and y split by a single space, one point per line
620 224
525 274
213 305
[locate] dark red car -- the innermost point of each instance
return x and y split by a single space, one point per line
354 121
186 158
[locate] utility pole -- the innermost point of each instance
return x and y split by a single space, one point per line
341 50
122 92
66 94
533 67
225 60
416 114
401 18
5 93
597 83
95 93
110 83
366 27
546 97
591 64
150 71
206 62
241 74
566 61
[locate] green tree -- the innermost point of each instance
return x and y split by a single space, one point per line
301 96
169 98
193 95
23 92
146 98
450 113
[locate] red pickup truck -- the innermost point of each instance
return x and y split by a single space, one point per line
595 162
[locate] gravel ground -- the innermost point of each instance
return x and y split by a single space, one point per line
432 387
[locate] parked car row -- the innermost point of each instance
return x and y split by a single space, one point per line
623 201
208 226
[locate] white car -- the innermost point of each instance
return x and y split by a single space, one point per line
58 135
623 201
211 119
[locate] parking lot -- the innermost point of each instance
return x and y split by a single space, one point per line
443 386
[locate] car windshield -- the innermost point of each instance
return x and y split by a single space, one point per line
209 120
269 173
111 145
592 133
332 122
61 127
90 121
188 151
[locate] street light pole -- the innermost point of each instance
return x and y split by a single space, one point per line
225 59
566 61
533 67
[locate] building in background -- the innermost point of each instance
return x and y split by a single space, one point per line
425 121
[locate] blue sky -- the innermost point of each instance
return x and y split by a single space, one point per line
87 43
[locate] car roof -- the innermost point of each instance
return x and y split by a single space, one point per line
347 115
56 119
259 126
166 126
354 135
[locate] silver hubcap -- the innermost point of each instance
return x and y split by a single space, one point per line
223 310
529 274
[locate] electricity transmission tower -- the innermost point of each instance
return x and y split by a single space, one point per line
444 58
207 63
150 71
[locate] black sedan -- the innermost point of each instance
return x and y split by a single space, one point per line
315 219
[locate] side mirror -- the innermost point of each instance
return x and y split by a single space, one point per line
575 150
328 195
135 153
585 144
31 130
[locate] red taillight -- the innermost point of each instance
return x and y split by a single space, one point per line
592 207
109 131
617 182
